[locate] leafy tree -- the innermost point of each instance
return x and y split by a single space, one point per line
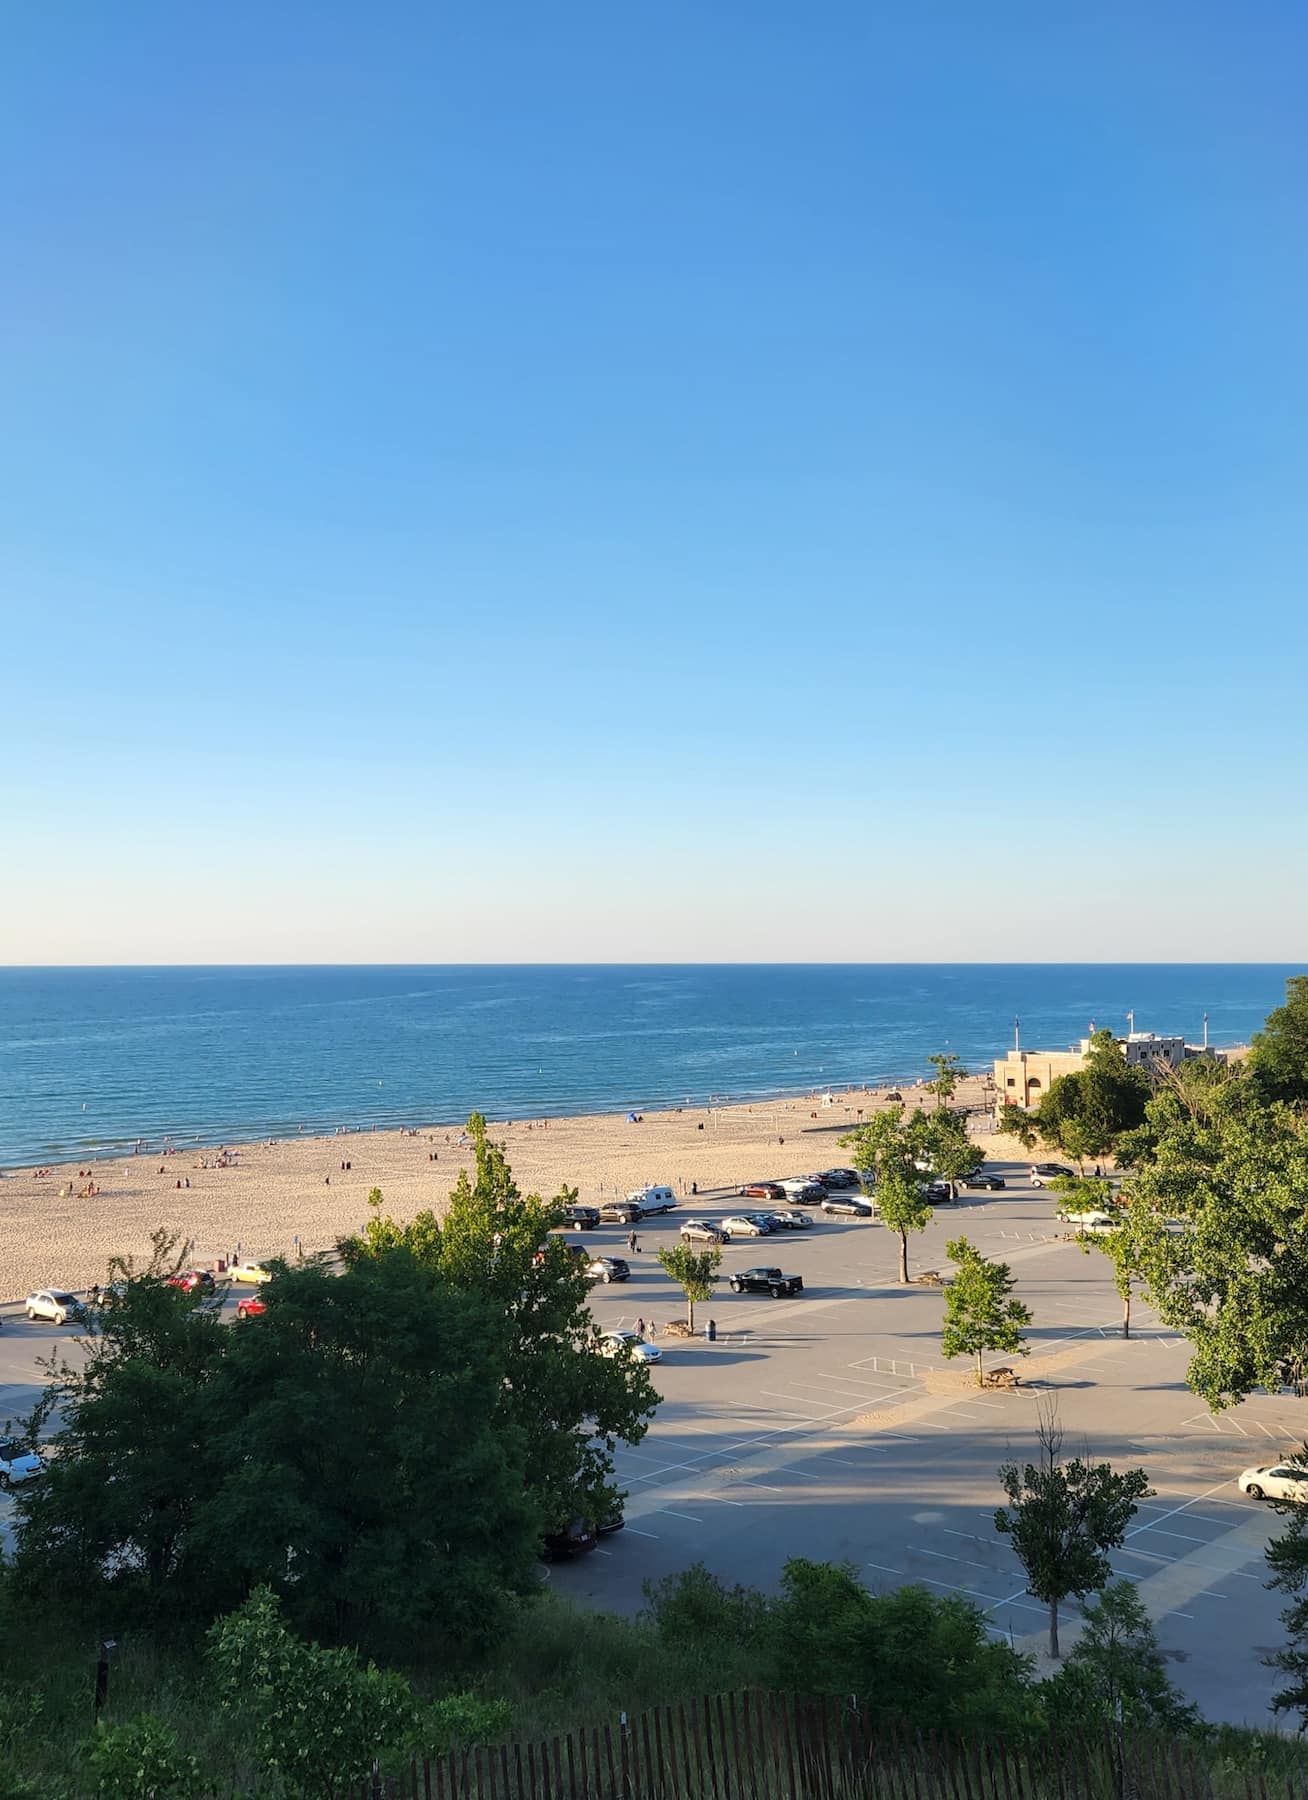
316 1719
1279 1057
142 1760
1017 1122
1234 1276
902 1207
361 1415
1085 1113
694 1271
1115 1674
1123 1246
568 1407
138 1416
1287 1560
695 1610
979 1314
886 1152
1063 1518
949 1072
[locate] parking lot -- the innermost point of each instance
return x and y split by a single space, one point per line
828 1425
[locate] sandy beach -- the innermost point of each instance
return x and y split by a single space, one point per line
265 1196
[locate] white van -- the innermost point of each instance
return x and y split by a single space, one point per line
653 1199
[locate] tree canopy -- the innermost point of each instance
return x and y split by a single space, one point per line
887 1152
1279 1058
1084 1114
980 1315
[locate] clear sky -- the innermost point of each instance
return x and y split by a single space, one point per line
690 481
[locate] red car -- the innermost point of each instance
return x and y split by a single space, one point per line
191 1280
251 1309
763 1190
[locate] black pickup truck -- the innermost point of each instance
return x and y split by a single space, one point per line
766 1281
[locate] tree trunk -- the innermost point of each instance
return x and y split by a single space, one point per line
980 1372
903 1257
690 1314
1053 1630
1126 1314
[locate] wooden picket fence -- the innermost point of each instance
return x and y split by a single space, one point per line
760 1746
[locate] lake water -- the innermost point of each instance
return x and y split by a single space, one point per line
92 1059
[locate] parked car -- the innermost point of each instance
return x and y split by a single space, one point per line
614 1522
1094 1222
251 1308
56 1306
762 1190
608 1268
766 1281
18 1464
251 1273
629 1343
700 1231
1275 1481
193 1279
572 1540
1043 1173
940 1193
993 1183
744 1225
849 1206
582 1218
789 1221
840 1178
619 1212
804 1192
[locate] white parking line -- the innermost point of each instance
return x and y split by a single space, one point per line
958 1559
639 1533
679 1515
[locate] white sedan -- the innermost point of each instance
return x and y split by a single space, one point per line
627 1343
17 1464
741 1225
1096 1223
1276 1481
55 1305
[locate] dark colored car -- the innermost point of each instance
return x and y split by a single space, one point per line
766 1281
840 1178
614 1522
608 1268
939 1193
993 1183
763 1190
619 1212
573 1540
582 1218
849 1206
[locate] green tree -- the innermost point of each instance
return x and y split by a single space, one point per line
314 1718
1063 1518
1279 1058
949 1072
979 1313
1017 1122
949 1148
1115 1674
359 1415
1287 1561
886 1152
1123 1247
1233 1273
1084 1114
570 1409
141 1760
694 1271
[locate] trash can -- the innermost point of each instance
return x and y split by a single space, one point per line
711 1331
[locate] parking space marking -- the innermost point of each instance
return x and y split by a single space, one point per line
679 1515
639 1533
967 1560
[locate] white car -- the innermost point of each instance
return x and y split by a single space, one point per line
55 1305
741 1225
17 1464
1043 1173
626 1343
1276 1481
1095 1222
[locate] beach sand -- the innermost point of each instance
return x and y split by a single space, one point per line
270 1194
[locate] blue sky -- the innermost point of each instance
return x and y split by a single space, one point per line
750 481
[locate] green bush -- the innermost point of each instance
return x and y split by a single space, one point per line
141 1760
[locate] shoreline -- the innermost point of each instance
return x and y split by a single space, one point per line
300 1194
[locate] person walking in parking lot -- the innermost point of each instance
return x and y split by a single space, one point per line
632 1244
640 1328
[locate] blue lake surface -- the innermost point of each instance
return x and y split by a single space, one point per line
92 1059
